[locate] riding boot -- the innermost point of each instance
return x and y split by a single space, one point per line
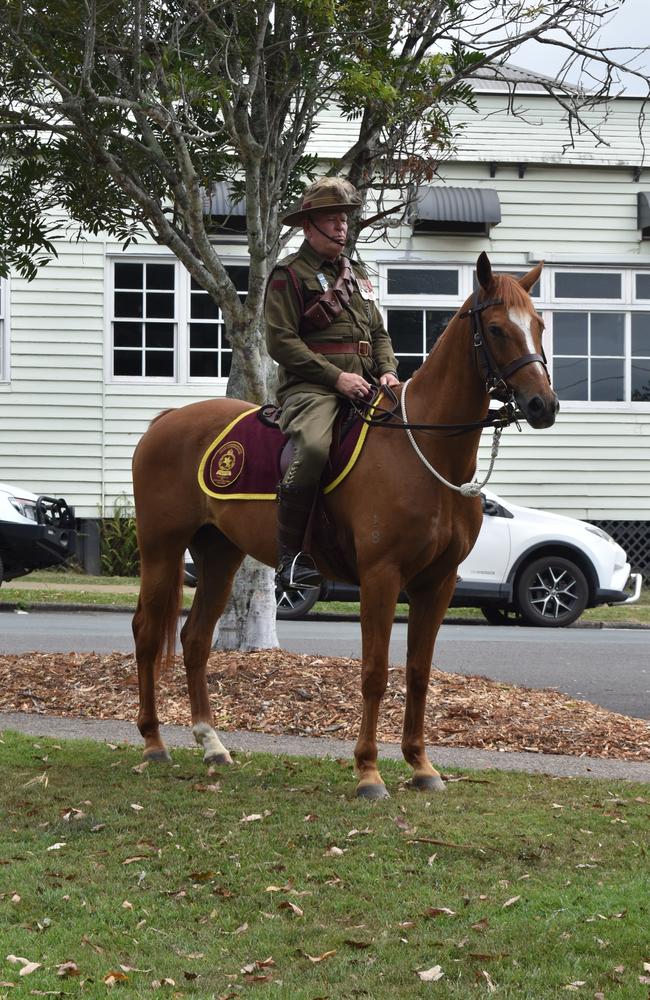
296 569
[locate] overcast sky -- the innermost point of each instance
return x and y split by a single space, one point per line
628 26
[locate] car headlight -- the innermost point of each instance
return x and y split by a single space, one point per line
26 508
601 534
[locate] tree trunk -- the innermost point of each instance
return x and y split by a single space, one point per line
249 619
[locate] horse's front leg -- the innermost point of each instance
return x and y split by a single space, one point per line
378 600
427 607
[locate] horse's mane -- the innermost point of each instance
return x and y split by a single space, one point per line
510 292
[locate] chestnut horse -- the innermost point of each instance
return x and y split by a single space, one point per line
399 526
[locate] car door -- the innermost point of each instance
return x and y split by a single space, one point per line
489 560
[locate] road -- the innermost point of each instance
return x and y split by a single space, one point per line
609 667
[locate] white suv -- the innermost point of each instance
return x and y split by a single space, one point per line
35 531
527 565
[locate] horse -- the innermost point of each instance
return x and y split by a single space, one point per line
399 526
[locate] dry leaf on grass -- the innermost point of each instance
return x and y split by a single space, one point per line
259 691
431 975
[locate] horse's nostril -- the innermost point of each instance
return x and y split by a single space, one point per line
536 406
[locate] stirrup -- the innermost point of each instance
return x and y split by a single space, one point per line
298 574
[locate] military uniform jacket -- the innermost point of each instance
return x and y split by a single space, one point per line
300 368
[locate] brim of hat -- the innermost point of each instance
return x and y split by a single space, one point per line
295 217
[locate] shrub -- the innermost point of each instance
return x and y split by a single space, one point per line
118 546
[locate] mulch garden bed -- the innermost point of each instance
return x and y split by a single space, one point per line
276 692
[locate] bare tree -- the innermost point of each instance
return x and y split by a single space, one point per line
125 114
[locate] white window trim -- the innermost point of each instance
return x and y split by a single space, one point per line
183 281
5 329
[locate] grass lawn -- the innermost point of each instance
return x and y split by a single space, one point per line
268 879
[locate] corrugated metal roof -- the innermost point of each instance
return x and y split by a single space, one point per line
502 79
457 204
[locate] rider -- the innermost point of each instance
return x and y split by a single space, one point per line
328 337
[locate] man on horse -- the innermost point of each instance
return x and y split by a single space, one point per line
325 331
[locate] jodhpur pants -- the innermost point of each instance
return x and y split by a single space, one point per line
309 418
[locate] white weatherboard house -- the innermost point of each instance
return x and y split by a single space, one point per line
102 339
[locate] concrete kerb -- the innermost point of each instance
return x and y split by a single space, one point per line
239 741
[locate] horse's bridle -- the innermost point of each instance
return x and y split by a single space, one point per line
495 378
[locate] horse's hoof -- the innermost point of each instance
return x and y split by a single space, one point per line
372 792
427 783
217 759
160 756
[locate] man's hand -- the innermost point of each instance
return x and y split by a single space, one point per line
389 379
351 386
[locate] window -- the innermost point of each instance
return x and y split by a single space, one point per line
640 357
587 285
165 326
4 330
421 281
589 356
413 333
144 326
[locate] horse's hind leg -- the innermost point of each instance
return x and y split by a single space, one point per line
154 620
217 560
427 607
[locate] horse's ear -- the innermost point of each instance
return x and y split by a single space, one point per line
528 280
484 271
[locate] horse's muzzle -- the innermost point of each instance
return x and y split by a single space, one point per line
540 411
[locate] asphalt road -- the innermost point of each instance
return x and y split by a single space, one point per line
609 667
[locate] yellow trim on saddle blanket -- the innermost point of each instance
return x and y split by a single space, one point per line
273 496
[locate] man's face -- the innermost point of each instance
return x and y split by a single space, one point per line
326 233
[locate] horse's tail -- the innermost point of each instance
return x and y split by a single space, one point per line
167 648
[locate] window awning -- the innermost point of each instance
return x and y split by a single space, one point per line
643 212
218 202
455 210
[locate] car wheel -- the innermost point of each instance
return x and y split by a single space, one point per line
552 592
295 603
500 616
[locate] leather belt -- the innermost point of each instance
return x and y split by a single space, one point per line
363 347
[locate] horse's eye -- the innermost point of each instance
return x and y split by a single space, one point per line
494 331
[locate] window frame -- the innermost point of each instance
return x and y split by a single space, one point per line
182 320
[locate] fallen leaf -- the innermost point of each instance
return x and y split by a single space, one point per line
115 976
319 958
490 982
511 901
439 911
57 846
136 807
431 975
67 969
27 966
575 986
253 818
286 905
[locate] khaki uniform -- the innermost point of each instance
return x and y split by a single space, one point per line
306 379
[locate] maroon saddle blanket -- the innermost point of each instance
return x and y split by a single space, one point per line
244 461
